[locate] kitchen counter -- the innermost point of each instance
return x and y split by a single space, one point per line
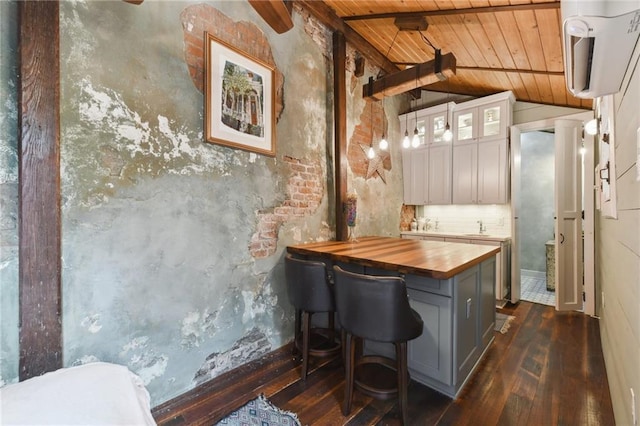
435 259
465 235
451 286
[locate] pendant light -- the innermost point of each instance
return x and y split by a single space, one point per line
371 153
384 145
448 134
406 143
415 142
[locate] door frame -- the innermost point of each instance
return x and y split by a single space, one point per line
588 222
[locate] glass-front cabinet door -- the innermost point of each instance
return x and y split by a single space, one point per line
437 121
437 125
465 125
417 123
493 125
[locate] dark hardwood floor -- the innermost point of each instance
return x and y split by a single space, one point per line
547 370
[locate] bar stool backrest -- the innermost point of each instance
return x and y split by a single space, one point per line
375 307
307 285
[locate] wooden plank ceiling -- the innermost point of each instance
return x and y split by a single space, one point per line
498 44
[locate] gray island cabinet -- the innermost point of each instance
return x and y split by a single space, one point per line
450 285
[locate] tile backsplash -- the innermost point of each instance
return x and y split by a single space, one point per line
496 218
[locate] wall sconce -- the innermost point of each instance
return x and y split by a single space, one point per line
591 127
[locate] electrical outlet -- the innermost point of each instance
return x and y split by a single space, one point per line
634 420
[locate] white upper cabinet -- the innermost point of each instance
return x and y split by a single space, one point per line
430 123
480 160
483 119
427 166
471 169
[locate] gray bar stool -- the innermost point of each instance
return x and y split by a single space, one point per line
375 308
309 292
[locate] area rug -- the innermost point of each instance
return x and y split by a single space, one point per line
262 412
503 322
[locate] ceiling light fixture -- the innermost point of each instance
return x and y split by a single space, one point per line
384 145
415 142
448 134
406 143
371 153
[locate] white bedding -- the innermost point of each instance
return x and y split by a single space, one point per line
91 394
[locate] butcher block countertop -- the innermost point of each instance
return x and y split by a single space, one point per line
435 259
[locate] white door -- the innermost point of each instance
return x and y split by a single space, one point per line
515 211
568 205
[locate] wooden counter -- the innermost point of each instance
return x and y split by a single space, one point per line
435 259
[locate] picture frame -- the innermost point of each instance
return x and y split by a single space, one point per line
239 99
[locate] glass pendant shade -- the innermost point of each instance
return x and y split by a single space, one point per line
415 142
371 153
448 134
406 143
383 143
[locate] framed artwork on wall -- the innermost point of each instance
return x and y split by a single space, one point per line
239 99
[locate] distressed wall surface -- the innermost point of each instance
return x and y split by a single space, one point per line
172 247
9 354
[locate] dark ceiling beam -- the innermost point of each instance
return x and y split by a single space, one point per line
276 13
328 17
445 12
412 78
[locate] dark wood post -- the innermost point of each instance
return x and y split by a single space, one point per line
340 118
39 188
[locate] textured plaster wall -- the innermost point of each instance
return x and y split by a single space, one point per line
377 182
157 225
172 247
537 209
8 194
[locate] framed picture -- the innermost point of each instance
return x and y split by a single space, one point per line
239 99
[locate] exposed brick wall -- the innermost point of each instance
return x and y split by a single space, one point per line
372 121
320 34
407 213
305 189
244 36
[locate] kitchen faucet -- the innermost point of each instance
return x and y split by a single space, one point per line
482 228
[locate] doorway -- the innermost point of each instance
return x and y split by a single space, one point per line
517 207
537 213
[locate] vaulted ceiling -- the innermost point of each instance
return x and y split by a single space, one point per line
498 44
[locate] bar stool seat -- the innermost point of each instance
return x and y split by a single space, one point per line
310 292
375 308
